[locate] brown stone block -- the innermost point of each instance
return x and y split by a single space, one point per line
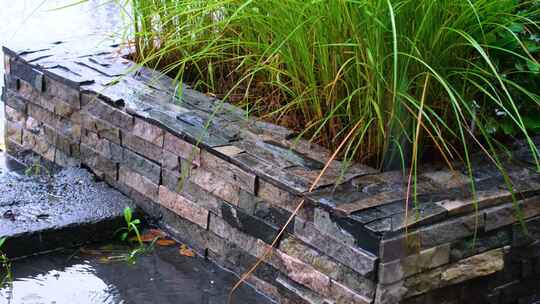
148 132
141 165
447 179
48 102
100 165
13 148
138 183
102 146
480 265
15 116
294 268
173 181
14 132
142 147
62 91
183 207
216 185
308 276
264 287
483 199
29 93
283 199
231 173
229 151
68 128
33 125
328 266
42 115
39 144
67 111
102 128
67 145
182 148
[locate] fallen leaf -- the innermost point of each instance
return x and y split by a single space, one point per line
149 235
104 260
185 251
165 242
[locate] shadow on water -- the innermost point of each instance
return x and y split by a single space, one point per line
162 276
10 164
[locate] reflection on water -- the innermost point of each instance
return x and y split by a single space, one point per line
25 23
74 284
163 276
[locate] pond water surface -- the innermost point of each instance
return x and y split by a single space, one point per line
87 277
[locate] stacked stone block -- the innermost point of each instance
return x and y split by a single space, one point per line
227 185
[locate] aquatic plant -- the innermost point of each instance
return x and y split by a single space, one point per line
131 227
36 168
6 275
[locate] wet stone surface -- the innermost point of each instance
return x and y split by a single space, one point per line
56 208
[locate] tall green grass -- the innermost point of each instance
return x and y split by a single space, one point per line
419 75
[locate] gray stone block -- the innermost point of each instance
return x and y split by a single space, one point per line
138 183
104 147
101 166
357 259
115 117
231 173
430 236
141 165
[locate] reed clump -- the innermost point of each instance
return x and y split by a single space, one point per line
448 76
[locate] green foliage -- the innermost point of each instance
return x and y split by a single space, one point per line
445 75
524 71
36 168
131 227
5 266
126 233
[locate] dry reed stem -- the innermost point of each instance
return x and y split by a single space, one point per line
269 249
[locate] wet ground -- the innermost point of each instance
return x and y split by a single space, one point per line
162 275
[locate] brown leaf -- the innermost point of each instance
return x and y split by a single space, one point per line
185 251
104 260
89 251
165 242
149 235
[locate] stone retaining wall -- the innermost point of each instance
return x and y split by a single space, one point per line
227 184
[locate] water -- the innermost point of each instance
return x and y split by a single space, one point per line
30 22
163 276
